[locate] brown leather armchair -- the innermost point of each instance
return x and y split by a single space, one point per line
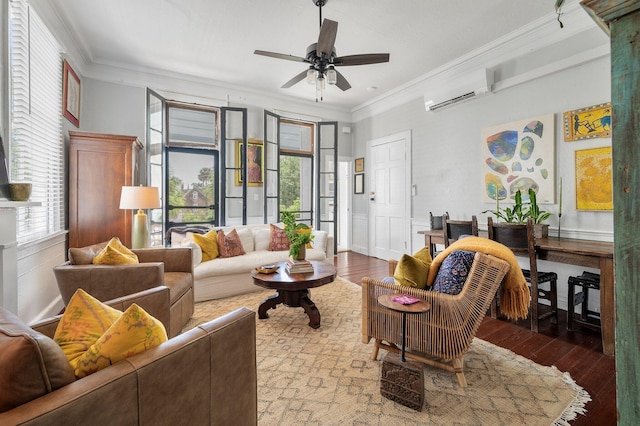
170 267
206 375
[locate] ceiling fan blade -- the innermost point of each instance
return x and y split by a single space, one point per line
327 37
342 82
364 59
295 79
280 56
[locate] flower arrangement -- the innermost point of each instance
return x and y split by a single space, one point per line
299 234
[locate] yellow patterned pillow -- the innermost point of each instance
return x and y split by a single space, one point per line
208 243
134 332
115 253
85 319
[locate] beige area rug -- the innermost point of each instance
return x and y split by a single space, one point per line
326 377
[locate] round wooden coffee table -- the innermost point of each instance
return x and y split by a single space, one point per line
293 289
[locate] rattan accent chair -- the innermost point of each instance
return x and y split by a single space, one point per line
441 336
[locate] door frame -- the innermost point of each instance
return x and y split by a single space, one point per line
345 185
406 135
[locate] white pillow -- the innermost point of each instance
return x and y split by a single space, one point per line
196 251
261 238
177 238
319 240
246 238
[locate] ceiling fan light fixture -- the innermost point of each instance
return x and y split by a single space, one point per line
332 76
322 58
312 75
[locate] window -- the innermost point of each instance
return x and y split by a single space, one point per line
296 169
185 165
36 145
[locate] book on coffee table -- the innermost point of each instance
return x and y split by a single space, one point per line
294 266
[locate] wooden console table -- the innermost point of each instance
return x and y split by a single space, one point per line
592 254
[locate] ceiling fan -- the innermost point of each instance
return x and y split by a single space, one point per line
322 58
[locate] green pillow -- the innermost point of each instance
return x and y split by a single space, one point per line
411 272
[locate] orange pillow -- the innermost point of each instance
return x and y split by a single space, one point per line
229 245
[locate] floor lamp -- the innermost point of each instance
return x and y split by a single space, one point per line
139 197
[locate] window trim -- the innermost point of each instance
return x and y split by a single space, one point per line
35 155
312 133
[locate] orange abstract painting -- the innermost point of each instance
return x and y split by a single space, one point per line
594 179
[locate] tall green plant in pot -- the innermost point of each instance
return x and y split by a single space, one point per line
541 230
515 214
299 235
521 211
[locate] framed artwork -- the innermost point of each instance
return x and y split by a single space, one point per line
254 165
594 179
70 94
359 165
358 184
588 123
518 156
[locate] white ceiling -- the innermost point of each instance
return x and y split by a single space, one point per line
215 39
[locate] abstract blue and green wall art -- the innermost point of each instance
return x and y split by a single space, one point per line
518 156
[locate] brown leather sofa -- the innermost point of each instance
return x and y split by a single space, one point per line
205 376
170 267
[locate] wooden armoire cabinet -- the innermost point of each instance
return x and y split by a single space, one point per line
100 165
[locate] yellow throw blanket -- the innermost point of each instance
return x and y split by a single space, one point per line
514 292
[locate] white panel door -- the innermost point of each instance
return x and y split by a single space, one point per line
389 194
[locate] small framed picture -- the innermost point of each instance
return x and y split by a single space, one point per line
359 165
358 184
255 155
70 94
588 123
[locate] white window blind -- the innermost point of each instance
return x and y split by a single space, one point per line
36 144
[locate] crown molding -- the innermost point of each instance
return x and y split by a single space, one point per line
537 35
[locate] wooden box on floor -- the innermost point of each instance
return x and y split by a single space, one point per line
402 382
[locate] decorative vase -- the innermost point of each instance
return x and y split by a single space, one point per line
20 191
541 230
302 252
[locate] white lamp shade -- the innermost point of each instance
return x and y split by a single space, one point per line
140 197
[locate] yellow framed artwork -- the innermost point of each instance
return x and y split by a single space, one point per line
254 165
359 165
594 179
588 123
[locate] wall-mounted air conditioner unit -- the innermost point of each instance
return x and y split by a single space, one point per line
466 87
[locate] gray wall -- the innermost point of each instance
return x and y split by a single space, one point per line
113 108
446 145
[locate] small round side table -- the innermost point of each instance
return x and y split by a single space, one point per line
419 307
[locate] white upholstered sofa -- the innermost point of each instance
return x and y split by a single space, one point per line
224 277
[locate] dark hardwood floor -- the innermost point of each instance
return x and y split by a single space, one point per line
579 352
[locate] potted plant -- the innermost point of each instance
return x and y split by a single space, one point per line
520 212
299 235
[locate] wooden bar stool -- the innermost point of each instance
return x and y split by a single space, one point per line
588 318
